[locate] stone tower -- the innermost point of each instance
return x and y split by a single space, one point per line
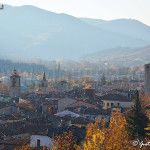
44 85
14 84
147 78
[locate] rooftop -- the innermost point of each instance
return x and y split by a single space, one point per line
115 97
81 103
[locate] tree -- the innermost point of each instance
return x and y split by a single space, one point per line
64 142
24 74
117 137
32 86
23 147
144 99
48 110
103 80
136 119
95 135
114 137
27 105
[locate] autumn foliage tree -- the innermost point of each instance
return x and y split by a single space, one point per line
117 136
114 137
64 142
144 99
26 105
145 102
95 135
23 147
5 88
48 110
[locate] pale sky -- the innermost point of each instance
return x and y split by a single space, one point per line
99 9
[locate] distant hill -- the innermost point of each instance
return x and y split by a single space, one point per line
130 27
6 66
120 56
30 32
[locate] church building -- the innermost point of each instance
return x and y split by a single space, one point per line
15 87
44 85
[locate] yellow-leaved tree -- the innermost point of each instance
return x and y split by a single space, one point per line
117 137
95 135
114 137
23 147
64 142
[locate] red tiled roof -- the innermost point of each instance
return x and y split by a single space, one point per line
115 97
81 103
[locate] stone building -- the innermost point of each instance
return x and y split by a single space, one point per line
15 84
147 78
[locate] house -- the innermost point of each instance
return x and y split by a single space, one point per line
116 108
110 87
66 117
63 86
21 100
90 92
110 100
23 136
127 93
65 102
66 121
7 110
56 121
80 104
41 140
92 114
78 133
67 113
79 122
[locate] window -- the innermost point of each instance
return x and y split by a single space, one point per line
112 104
13 82
107 104
103 104
38 143
118 104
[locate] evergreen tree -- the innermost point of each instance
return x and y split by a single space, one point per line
103 80
136 119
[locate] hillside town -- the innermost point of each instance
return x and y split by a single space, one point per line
34 115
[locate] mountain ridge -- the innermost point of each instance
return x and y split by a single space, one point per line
120 56
31 32
123 26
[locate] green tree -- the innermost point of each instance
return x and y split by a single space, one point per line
32 86
136 119
103 80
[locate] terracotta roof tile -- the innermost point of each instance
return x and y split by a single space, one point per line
81 103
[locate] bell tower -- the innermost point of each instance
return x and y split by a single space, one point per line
44 84
147 78
14 84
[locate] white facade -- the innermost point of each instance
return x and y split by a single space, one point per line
21 100
41 140
110 103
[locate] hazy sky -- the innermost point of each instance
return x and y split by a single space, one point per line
100 9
